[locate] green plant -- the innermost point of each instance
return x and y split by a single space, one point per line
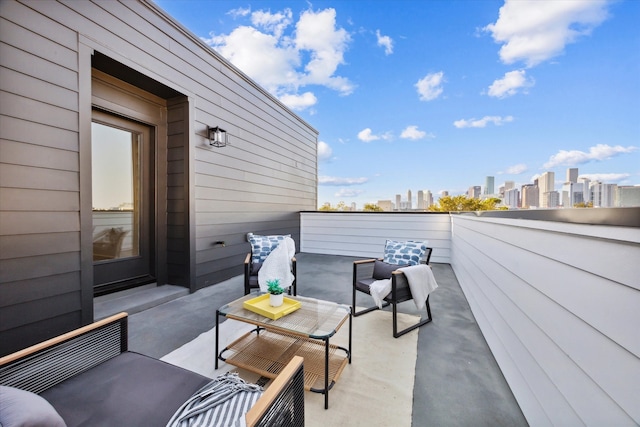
273 287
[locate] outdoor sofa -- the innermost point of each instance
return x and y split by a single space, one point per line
90 378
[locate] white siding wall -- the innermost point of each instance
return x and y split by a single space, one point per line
559 305
103 220
364 234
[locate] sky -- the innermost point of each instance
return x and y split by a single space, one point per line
438 95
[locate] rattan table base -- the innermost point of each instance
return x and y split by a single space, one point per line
267 353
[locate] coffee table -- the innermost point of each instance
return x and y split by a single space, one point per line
306 332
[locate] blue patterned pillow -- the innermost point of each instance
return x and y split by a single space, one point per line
408 252
261 246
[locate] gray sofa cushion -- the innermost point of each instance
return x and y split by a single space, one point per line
129 390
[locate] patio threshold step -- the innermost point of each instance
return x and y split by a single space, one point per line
136 300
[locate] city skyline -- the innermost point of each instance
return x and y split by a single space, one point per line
513 196
441 94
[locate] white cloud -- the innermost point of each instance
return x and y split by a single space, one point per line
483 122
317 34
284 58
510 84
262 57
348 192
412 132
272 22
367 135
430 86
239 12
597 153
534 31
299 102
516 169
386 42
606 177
324 151
332 180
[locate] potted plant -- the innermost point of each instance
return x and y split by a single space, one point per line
276 293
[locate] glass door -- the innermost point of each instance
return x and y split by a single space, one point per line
122 171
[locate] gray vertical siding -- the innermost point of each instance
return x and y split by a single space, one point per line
258 184
558 304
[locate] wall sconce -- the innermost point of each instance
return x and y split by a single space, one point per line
217 137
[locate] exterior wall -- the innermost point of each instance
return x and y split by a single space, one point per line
180 269
40 238
555 292
558 304
258 184
363 234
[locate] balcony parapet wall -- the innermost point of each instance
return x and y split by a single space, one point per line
556 294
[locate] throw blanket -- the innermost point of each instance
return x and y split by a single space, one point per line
379 290
421 283
278 265
222 402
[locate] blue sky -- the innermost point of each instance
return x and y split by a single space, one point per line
437 95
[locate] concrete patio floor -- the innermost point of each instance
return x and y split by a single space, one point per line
457 380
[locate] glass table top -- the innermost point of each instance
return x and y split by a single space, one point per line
314 319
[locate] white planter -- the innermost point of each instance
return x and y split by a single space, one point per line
276 300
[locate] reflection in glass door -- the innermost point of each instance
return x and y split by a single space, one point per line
116 189
123 201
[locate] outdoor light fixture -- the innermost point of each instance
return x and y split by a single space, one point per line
217 137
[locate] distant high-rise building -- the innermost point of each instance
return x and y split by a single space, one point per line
489 185
398 202
386 205
572 193
509 185
444 193
551 199
428 199
565 195
586 189
572 175
474 192
602 195
627 196
530 196
421 200
546 184
409 199
512 198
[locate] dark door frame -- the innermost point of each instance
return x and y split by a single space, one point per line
113 96
123 273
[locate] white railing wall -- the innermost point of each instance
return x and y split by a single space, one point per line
559 305
364 234
103 220
558 302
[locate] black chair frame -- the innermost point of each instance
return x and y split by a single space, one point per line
400 292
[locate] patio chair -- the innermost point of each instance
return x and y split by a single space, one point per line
367 271
261 247
108 243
